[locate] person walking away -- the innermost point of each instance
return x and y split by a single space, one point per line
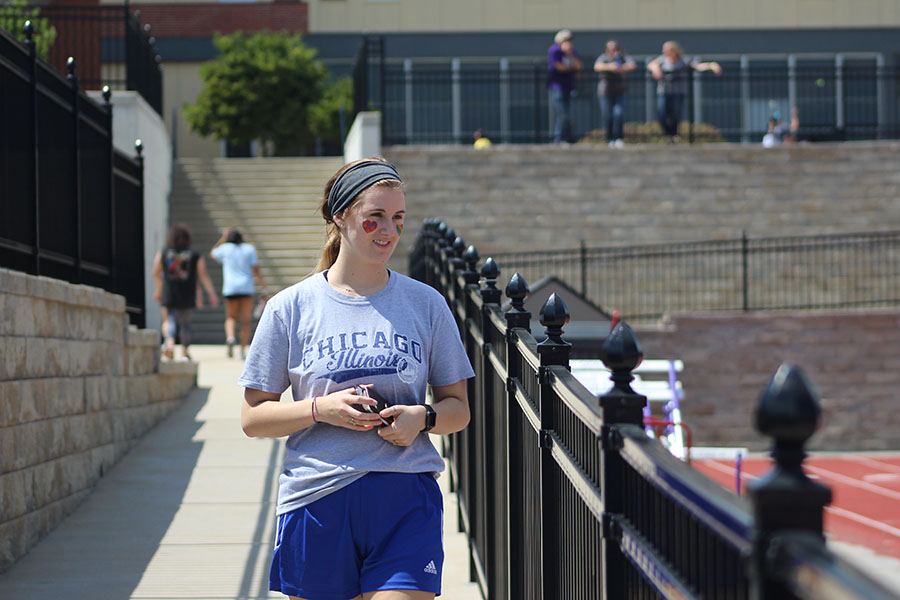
564 67
359 510
240 265
612 65
177 269
671 71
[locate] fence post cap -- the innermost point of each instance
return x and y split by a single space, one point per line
517 291
785 498
470 257
458 246
490 270
621 349
449 235
788 408
553 316
621 352
139 146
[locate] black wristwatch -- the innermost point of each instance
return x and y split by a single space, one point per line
430 418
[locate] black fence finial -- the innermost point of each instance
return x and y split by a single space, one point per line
459 246
785 501
554 315
71 65
554 350
455 249
107 94
490 270
449 236
788 412
471 257
517 291
28 30
139 147
621 352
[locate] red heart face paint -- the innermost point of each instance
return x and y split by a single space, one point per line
399 228
369 226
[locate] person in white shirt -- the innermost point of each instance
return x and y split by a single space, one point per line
239 266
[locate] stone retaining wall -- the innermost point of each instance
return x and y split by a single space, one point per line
515 198
852 359
78 388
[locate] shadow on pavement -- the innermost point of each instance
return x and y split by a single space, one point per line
102 550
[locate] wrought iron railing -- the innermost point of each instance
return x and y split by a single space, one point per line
855 270
71 206
110 45
838 97
563 495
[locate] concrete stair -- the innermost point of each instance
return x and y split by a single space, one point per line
273 201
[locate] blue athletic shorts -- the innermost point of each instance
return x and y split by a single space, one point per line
384 531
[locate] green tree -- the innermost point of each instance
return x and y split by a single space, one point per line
13 15
261 87
325 115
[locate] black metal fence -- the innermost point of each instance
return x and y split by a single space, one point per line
840 97
562 494
71 206
857 270
111 47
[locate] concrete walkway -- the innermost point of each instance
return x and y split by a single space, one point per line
187 514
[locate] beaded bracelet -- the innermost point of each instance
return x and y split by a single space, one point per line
315 420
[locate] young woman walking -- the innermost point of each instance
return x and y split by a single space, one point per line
359 509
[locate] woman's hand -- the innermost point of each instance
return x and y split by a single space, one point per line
337 409
407 425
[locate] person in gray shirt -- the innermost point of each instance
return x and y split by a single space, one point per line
671 71
359 510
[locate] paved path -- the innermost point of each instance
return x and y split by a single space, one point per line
187 514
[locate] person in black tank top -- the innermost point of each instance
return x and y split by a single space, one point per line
177 269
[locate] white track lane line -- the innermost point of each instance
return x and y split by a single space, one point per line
837 511
863 520
874 462
729 470
857 483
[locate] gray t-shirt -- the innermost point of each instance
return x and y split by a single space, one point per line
317 341
675 76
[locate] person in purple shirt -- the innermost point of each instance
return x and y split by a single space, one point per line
563 66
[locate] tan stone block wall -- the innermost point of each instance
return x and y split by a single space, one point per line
78 388
852 359
543 15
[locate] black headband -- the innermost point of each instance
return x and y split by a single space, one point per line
356 179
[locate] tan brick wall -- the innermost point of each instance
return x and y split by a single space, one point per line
524 198
608 15
78 388
851 358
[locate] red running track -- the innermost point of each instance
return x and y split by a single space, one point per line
865 488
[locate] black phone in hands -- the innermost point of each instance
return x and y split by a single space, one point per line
382 403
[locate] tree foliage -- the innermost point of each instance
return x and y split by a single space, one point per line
324 116
265 86
13 15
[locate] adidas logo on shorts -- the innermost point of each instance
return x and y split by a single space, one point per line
430 568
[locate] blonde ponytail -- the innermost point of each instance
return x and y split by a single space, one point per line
331 248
